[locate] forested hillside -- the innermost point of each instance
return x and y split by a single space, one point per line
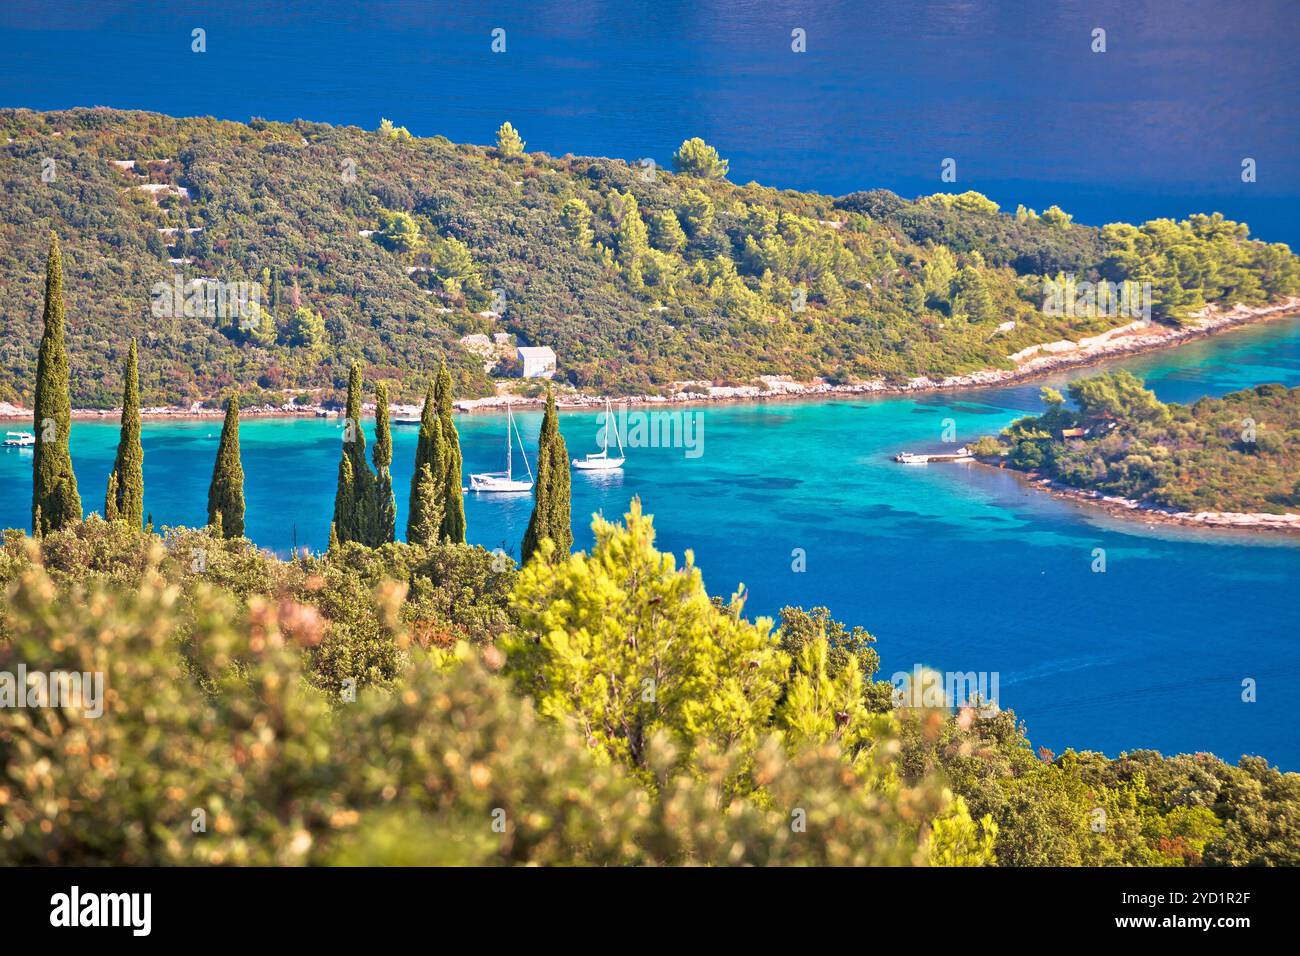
383 248
417 704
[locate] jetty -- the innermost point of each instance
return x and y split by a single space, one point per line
907 458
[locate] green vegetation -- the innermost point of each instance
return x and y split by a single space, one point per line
638 278
125 498
509 142
55 502
451 496
226 490
697 158
385 501
551 519
354 498
1238 453
437 504
428 493
424 704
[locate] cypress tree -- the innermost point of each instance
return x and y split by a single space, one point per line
427 492
426 508
345 518
385 502
354 499
226 492
55 502
551 506
453 513
110 499
126 482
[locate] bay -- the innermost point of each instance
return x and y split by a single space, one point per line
959 568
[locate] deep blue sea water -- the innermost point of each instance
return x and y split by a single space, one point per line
959 568
1157 125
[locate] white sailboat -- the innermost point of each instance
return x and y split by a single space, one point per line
505 481
600 460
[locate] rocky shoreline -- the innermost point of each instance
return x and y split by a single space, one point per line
1035 361
1131 510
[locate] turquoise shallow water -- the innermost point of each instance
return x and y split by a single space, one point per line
955 567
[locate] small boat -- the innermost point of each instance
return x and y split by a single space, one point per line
907 458
20 440
406 419
505 481
600 460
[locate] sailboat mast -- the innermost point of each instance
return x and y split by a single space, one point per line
618 439
605 450
510 420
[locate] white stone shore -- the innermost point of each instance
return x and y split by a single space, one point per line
1138 510
1031 362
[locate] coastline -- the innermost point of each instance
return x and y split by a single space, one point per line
1033 362
1140 511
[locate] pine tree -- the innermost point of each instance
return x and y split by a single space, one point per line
453 500
385 503
226 492
55 502
551 506
509 142
126 482
354 499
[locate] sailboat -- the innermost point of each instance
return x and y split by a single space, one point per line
505 481
600 460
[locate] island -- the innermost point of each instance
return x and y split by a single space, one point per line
1232 461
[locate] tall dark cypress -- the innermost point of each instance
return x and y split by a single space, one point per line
126 482
354 499
425 509
55 502
226 491
385 503
453 508
551 505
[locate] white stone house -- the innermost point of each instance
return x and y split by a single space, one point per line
537 361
